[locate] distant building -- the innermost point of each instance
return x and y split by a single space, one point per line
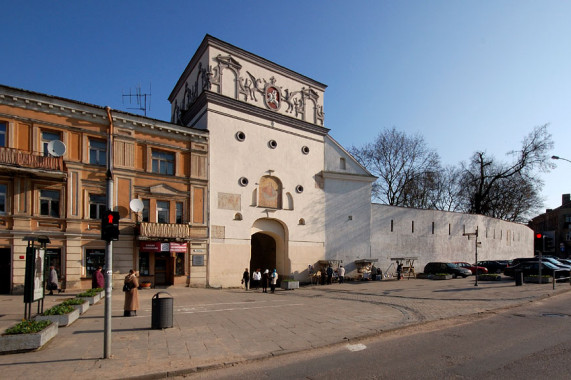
555 225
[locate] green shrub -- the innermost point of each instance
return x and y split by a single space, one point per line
28 327
90 293
59 310
73 301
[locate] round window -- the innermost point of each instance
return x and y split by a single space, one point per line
243 181
273 144
305 150
299 189
240 136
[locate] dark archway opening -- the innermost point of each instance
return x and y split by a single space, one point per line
263 252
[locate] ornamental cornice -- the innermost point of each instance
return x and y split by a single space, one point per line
237 105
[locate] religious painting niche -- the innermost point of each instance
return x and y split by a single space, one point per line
270 193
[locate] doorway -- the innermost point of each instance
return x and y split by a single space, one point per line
263 252
5 270
163 269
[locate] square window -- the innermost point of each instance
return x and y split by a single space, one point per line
163 215
163 162
97 206
49 203
46 138
97 152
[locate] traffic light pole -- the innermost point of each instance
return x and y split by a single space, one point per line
108 245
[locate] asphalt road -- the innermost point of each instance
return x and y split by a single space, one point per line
530 341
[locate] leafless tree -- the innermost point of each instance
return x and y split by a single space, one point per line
406 167
508 191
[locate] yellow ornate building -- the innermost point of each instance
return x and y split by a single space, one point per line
162 164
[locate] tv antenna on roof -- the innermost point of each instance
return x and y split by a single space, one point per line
139 98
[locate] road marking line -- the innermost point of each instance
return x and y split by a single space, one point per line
356 347
238 308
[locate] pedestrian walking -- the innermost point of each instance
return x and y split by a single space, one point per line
341 273
97 279
265 280
399 270
53 281
245 278
130 287
274 280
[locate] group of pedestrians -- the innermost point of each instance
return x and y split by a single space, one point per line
260 279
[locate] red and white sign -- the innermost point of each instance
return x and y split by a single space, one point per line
178 247
157 246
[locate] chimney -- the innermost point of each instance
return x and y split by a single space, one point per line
565 198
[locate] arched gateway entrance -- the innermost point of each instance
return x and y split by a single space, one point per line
269 246
263 252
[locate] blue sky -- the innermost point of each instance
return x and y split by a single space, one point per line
466 75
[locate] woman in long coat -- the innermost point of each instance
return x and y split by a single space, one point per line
131 295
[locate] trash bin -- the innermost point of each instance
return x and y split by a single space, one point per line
518 278
162 310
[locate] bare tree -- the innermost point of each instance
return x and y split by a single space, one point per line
406 167
507 191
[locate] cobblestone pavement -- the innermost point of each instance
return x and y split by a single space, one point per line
221 326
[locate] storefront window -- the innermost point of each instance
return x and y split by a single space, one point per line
144 263
180 263
94 258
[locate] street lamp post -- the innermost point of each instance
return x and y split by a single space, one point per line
559 158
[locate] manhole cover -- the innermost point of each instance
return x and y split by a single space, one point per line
558 315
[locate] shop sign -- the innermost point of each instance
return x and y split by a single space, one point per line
178 247
150 246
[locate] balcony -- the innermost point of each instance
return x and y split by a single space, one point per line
18 160
170 231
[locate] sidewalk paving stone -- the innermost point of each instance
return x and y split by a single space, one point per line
220 326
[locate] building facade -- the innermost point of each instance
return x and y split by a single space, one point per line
161 164
246 175
555 225
272 162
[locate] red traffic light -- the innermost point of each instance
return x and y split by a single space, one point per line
538 235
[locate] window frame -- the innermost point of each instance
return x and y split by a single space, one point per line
146 213
92 266
45 140
161 210
101 207
179 212
42 197
163 162
100 152
3 134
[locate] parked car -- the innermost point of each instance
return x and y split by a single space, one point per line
545 259
471 267
494 266
448 268
531 268
565 261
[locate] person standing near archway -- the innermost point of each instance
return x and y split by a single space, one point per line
245 278
274 280
265 281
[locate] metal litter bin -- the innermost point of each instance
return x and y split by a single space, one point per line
162 311
518 278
